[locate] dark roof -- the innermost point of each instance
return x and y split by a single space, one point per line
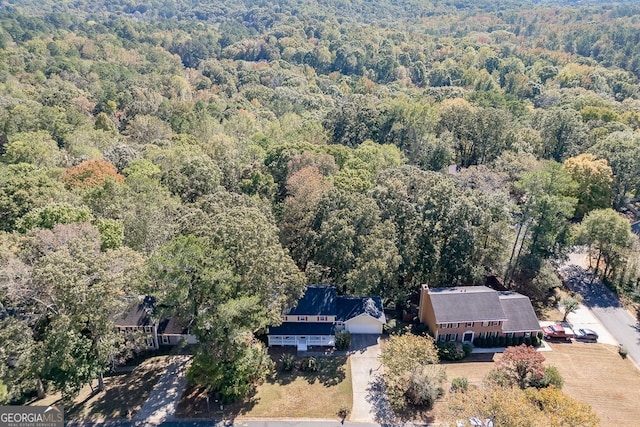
466 304
303 328
316 301
138 313
172 326
350 307
635 227
519 312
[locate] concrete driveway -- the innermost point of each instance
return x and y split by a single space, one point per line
365 368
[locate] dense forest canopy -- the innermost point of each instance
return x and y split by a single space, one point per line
221 155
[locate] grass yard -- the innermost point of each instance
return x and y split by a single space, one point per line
124 394
597 375
289 394
592 373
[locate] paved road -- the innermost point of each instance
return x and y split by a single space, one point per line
604 304
229 423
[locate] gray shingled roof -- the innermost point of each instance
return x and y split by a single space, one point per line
138 313
466 304
635 227
519 311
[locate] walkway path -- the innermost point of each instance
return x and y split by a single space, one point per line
163 400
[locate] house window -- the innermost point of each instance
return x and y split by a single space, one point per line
322 318
453 337
483 335
147 329
485 323
469 324
527 334
149 342
165 340
286 318
442 338
492 334
302 318
495 323
450 325
509 334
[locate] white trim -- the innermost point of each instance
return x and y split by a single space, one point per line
383 320
473 335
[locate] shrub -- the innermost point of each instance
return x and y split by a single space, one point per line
509 342
623 352
527 340
287 362
467 348
476 342
420 329
424 385
343 340
309 364
552 377
451 350
483 342
396 327
459 385
540 335
502 340
535 341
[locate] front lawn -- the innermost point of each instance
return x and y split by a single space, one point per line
124 393
592 373
287 395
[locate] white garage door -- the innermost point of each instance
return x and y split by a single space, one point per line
364 325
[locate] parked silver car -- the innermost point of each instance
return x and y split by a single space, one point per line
586 335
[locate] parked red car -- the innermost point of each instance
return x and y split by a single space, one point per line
558 331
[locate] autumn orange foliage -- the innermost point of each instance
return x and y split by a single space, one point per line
90 173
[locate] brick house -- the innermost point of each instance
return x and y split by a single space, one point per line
468 312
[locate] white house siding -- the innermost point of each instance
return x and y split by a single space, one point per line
293 340
364 324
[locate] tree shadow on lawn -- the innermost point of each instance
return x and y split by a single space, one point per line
124 394
331 371
193 404
385 415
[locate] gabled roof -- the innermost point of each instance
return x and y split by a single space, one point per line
519 312
350 307
303 328
317 301
172 326
138 313
466 304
